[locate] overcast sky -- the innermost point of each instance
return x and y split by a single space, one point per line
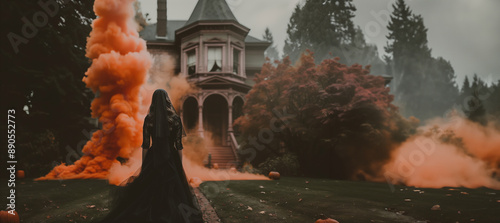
465 32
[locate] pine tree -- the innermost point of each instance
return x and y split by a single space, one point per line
465 86
271 52
423 86
474 108
45 78
295 44
320 26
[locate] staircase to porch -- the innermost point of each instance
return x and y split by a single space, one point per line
223 156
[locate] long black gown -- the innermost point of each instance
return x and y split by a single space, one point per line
160 193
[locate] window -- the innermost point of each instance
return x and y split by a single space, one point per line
214 56
236 61
191 62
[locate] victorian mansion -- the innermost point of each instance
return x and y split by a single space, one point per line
219 57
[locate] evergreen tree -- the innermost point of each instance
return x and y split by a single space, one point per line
295 43
271 52
466 86
480 102
45 72
474 109
363 53
320 26
423 86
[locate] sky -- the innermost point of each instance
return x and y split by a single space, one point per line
464 32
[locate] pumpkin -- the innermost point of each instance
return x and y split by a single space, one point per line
6 217
20 174
328 220
273 175
232 169
215 166
195 182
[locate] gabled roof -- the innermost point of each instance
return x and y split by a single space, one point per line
211 10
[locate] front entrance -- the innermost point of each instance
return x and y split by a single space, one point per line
215 118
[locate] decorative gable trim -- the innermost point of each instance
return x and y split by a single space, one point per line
215 40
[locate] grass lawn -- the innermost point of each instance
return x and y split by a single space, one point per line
294 200
286 200
61 201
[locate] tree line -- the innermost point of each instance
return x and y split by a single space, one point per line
345 121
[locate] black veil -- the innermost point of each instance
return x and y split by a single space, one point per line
160 192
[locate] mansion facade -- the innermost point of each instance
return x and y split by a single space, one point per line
216 53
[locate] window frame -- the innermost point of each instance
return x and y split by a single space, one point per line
223 57
240 62
185 63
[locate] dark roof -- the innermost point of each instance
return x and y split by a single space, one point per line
149 32
212 10
251 39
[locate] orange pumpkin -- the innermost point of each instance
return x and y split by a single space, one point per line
215 166
328 220
273 175
5 217
20 174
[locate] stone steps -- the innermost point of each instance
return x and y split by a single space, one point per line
223 156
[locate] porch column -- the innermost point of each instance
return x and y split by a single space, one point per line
200 120
230 121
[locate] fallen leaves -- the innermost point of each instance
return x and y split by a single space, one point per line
436 207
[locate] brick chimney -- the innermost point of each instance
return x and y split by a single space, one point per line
161 25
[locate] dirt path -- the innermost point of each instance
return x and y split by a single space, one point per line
209 214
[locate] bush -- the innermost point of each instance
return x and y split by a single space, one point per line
39 155
286 165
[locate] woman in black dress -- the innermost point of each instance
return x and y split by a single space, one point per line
160 193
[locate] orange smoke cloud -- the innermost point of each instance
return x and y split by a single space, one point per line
162 76
119 67
448 153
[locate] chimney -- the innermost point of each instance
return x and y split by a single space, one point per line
161 24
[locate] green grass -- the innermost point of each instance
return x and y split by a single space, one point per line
61 201
346 201
294 200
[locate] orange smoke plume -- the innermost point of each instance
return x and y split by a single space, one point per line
120 63
448 153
